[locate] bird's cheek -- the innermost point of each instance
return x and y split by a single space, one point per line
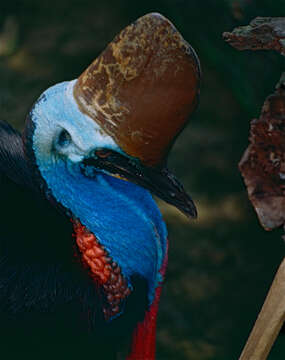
75 158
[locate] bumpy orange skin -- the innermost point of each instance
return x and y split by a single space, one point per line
102 269
107 273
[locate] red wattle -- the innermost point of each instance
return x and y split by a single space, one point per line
103 270
144 336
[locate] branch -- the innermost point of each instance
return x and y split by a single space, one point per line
263 33
269 321
263 169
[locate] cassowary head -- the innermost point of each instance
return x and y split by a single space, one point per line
100 144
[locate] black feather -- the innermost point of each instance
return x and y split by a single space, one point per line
47 300
12 159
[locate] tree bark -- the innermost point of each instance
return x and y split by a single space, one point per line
263 33
263 169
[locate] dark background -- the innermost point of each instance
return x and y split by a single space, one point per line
221 265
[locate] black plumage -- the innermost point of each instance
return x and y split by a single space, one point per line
48 303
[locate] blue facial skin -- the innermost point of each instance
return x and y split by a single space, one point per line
123 216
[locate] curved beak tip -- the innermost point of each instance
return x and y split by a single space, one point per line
159 182
194 213
190 210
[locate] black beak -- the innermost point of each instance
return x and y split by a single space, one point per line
158 181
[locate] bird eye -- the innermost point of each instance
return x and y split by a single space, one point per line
64 138
103 153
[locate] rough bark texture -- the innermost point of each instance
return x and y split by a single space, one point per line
263 169
263 163
263 33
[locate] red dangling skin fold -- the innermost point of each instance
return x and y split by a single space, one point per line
107 273
144 339
103 270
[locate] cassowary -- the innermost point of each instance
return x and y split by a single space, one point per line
83 247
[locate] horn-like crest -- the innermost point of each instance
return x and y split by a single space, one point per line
142 88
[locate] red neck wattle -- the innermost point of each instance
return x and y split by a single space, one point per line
97 260
144 336
102 269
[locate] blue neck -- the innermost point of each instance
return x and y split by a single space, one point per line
122 215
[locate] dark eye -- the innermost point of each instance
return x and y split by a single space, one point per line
64 138
103 153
